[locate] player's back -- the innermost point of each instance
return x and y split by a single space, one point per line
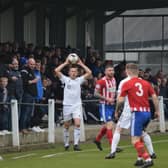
138 91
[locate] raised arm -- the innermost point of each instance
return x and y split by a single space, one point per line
60 67
156 104
88 72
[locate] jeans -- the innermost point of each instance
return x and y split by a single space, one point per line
5 119
26 111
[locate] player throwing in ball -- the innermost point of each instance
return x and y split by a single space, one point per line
72 104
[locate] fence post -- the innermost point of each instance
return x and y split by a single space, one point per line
82 128
51 121
162 116
15 123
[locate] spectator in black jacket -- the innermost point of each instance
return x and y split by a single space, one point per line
15 83
3 69
4 108
29 95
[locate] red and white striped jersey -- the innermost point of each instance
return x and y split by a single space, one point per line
138 92
107 88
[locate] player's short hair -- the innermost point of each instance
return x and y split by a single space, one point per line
132 67
38 61
73 66
109 66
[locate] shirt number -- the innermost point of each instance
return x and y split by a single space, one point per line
140 90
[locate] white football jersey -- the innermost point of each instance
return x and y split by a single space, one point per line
72 90
126 110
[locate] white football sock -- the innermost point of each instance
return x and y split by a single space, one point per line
115 141
139 158
148 142
66 136
76 135
1 158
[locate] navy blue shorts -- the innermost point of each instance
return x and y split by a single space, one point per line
106 112
139 121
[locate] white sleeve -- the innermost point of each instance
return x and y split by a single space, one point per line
81 79
119 88
121 84
63 79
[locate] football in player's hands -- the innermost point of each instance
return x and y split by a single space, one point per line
73 58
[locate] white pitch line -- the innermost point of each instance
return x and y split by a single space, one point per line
24 156
93 150
52 155
83 151
160 141
61 153
89 150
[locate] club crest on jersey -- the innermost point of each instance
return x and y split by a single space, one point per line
68 86
111 89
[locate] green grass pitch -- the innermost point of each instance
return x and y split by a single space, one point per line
89 157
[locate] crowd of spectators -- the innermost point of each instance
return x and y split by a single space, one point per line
27 74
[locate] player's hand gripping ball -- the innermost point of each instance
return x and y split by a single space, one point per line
73 58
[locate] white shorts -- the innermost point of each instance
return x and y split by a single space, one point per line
124 121
72 112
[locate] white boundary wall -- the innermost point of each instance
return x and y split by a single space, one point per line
51 122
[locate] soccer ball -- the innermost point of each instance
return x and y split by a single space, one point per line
73 58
